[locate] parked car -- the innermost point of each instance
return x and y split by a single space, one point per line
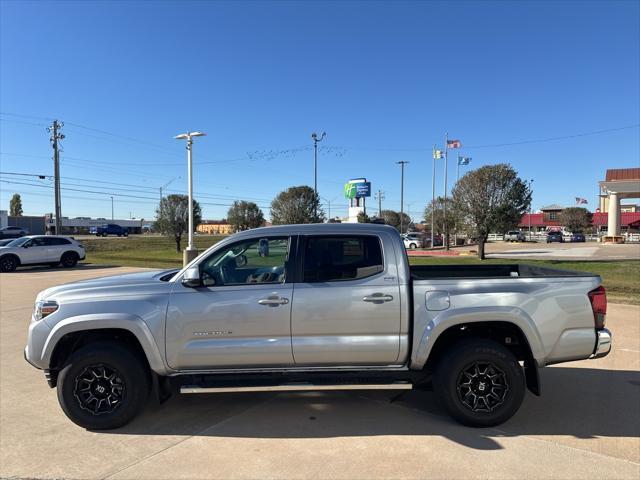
111 229
515 236
361 318
578 237
13 232
555 237
412 240
40 249
6 241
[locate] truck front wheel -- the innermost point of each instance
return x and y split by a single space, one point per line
480 383
102 386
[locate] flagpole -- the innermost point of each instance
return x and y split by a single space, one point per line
444 206
433 194
458 170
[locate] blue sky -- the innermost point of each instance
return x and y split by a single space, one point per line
385 80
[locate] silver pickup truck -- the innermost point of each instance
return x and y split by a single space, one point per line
314 307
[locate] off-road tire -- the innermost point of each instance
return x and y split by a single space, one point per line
450 380
130 370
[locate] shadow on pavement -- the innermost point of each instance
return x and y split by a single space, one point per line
578 402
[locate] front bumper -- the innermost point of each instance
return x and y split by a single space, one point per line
603 343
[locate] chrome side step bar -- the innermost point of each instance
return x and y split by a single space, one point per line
298 387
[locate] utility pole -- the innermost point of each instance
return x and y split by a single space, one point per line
444 205
54 129
402 163
530 182
316 139
380 196
433 196
112 208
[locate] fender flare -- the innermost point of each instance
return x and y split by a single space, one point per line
451 318
119 321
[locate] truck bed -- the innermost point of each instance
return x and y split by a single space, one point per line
431 272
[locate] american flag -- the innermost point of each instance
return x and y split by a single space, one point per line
581 201
454 143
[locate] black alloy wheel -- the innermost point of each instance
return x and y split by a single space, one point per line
99 389
482 387
8 263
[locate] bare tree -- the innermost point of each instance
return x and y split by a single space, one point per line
576 219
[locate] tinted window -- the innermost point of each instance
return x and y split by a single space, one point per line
58 241
39 242
328 259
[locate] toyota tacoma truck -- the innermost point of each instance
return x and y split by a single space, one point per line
314 307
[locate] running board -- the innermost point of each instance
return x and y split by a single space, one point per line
297 387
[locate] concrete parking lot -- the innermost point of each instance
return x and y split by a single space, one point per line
586 424
566 251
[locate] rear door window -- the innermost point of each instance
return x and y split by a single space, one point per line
336 258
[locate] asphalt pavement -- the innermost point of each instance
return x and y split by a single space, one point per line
585 425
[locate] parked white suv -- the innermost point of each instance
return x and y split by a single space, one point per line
412 240
40 249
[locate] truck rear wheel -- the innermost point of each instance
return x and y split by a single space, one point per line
480 383
102 386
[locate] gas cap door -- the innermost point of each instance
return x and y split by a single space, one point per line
437 300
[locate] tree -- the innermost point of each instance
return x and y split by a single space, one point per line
15 205
172 216
391 217
296 205
245 215
490 199
363 218
437 210
576 219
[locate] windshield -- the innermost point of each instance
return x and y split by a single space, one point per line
17 242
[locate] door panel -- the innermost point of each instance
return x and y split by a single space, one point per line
240 316
346 322
221 327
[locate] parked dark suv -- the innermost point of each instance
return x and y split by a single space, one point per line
111 229
578 237
555 237
13 232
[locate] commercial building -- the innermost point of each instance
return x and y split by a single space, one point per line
215 227
619 183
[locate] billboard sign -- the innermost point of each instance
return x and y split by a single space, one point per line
357 189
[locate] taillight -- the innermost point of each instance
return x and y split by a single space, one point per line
598 299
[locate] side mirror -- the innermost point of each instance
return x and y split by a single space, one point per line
191 277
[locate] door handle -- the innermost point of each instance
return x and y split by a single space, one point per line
273 301
377 298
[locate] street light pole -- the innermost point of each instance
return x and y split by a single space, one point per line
530 182
316 139
402 163
190 253
112 208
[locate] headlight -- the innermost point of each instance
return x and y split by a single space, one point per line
44 308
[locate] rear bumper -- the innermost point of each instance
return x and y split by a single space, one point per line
603 343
